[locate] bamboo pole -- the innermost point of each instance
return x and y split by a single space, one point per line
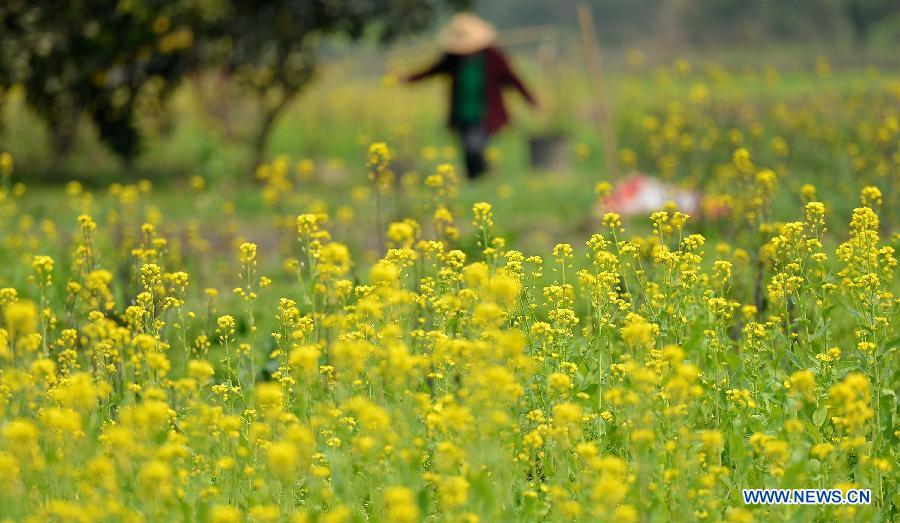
602 114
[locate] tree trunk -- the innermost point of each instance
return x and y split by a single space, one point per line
261 141
2 111
62 136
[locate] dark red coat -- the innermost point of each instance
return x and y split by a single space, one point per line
498 74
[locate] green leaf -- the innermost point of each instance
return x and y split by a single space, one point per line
423 499
819 415
814 465
813 432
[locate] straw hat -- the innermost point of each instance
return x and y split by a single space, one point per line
466 33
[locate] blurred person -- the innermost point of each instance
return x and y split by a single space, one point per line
478 73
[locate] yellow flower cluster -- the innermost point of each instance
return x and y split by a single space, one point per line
448 377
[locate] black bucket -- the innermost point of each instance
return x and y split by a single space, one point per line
549 152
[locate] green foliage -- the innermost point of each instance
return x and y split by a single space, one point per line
88 57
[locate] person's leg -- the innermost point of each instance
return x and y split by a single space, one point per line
474 141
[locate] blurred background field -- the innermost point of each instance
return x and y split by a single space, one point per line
324 136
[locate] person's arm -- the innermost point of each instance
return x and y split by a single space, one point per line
441 66
511 78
